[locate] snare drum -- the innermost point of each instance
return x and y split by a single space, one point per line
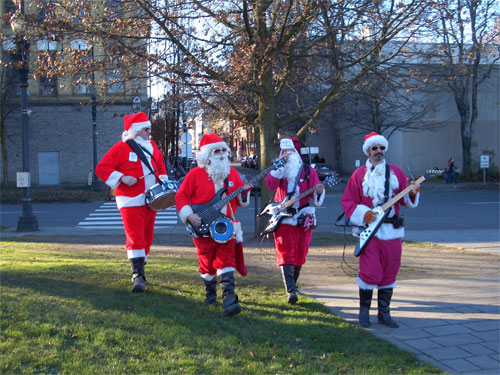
161 196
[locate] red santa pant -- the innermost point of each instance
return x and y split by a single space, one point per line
139 224
292 244
213 256
380 261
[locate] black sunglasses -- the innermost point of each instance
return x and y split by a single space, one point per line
375 148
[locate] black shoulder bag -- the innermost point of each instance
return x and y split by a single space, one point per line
140 153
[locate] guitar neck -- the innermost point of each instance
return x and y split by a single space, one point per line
400 195
305 193
235 193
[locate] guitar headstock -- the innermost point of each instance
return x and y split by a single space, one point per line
331 181
278 164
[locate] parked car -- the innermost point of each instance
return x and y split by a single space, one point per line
323 170
243 161
253 161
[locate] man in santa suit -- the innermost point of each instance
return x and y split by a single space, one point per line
121 169
380 261
293 235
199 187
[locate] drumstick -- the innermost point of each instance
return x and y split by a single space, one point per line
140 178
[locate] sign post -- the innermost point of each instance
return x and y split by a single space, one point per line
485 164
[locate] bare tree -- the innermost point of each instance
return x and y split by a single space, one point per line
469 50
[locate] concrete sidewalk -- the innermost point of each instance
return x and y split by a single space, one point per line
451 323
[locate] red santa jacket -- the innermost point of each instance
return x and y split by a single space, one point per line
120 160
199 188
281 187
356 202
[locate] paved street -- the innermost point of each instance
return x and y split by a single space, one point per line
453 323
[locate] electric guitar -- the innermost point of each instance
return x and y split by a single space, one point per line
277 211
382 212
210 211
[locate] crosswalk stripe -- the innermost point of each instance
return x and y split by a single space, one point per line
107 216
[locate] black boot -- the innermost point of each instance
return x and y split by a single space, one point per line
211 291
365 301
288 280
229 298
296 273
138 275
384 314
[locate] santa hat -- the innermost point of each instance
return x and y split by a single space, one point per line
289 143
372 139
133 124
209 142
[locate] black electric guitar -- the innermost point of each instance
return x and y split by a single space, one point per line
382 212
210 211
277 211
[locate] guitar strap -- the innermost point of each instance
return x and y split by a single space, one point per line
139 151
291 193
387 180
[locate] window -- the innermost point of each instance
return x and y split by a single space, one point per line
80 84
48 86
10 9
12 75
114 80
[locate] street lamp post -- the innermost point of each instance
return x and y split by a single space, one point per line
27 221
95 182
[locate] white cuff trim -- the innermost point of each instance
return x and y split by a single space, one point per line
409 203
114 179
225 270
363 285
318 199
207 276
185 212
359 214
278 173
136 253
390 286
247 202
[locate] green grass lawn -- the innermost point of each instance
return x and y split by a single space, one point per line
71 312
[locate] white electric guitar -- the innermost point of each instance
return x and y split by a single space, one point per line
381 213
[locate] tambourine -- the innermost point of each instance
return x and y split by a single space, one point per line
222 230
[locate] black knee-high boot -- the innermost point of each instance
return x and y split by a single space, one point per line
288 280
138 275
296 273
211 291
229 298
365 301
384 314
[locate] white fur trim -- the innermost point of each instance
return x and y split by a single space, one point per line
134 129
238 231
359 214
204 153
124 201
409 203
140 253
304 211
363 285
318 199
376 139
390 286
387 232
225 270
247 201
278 173
185 212
207 276
286 143
114 179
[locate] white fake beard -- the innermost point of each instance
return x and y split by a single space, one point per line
292 167
218 168
144 143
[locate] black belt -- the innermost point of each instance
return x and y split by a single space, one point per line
389 220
